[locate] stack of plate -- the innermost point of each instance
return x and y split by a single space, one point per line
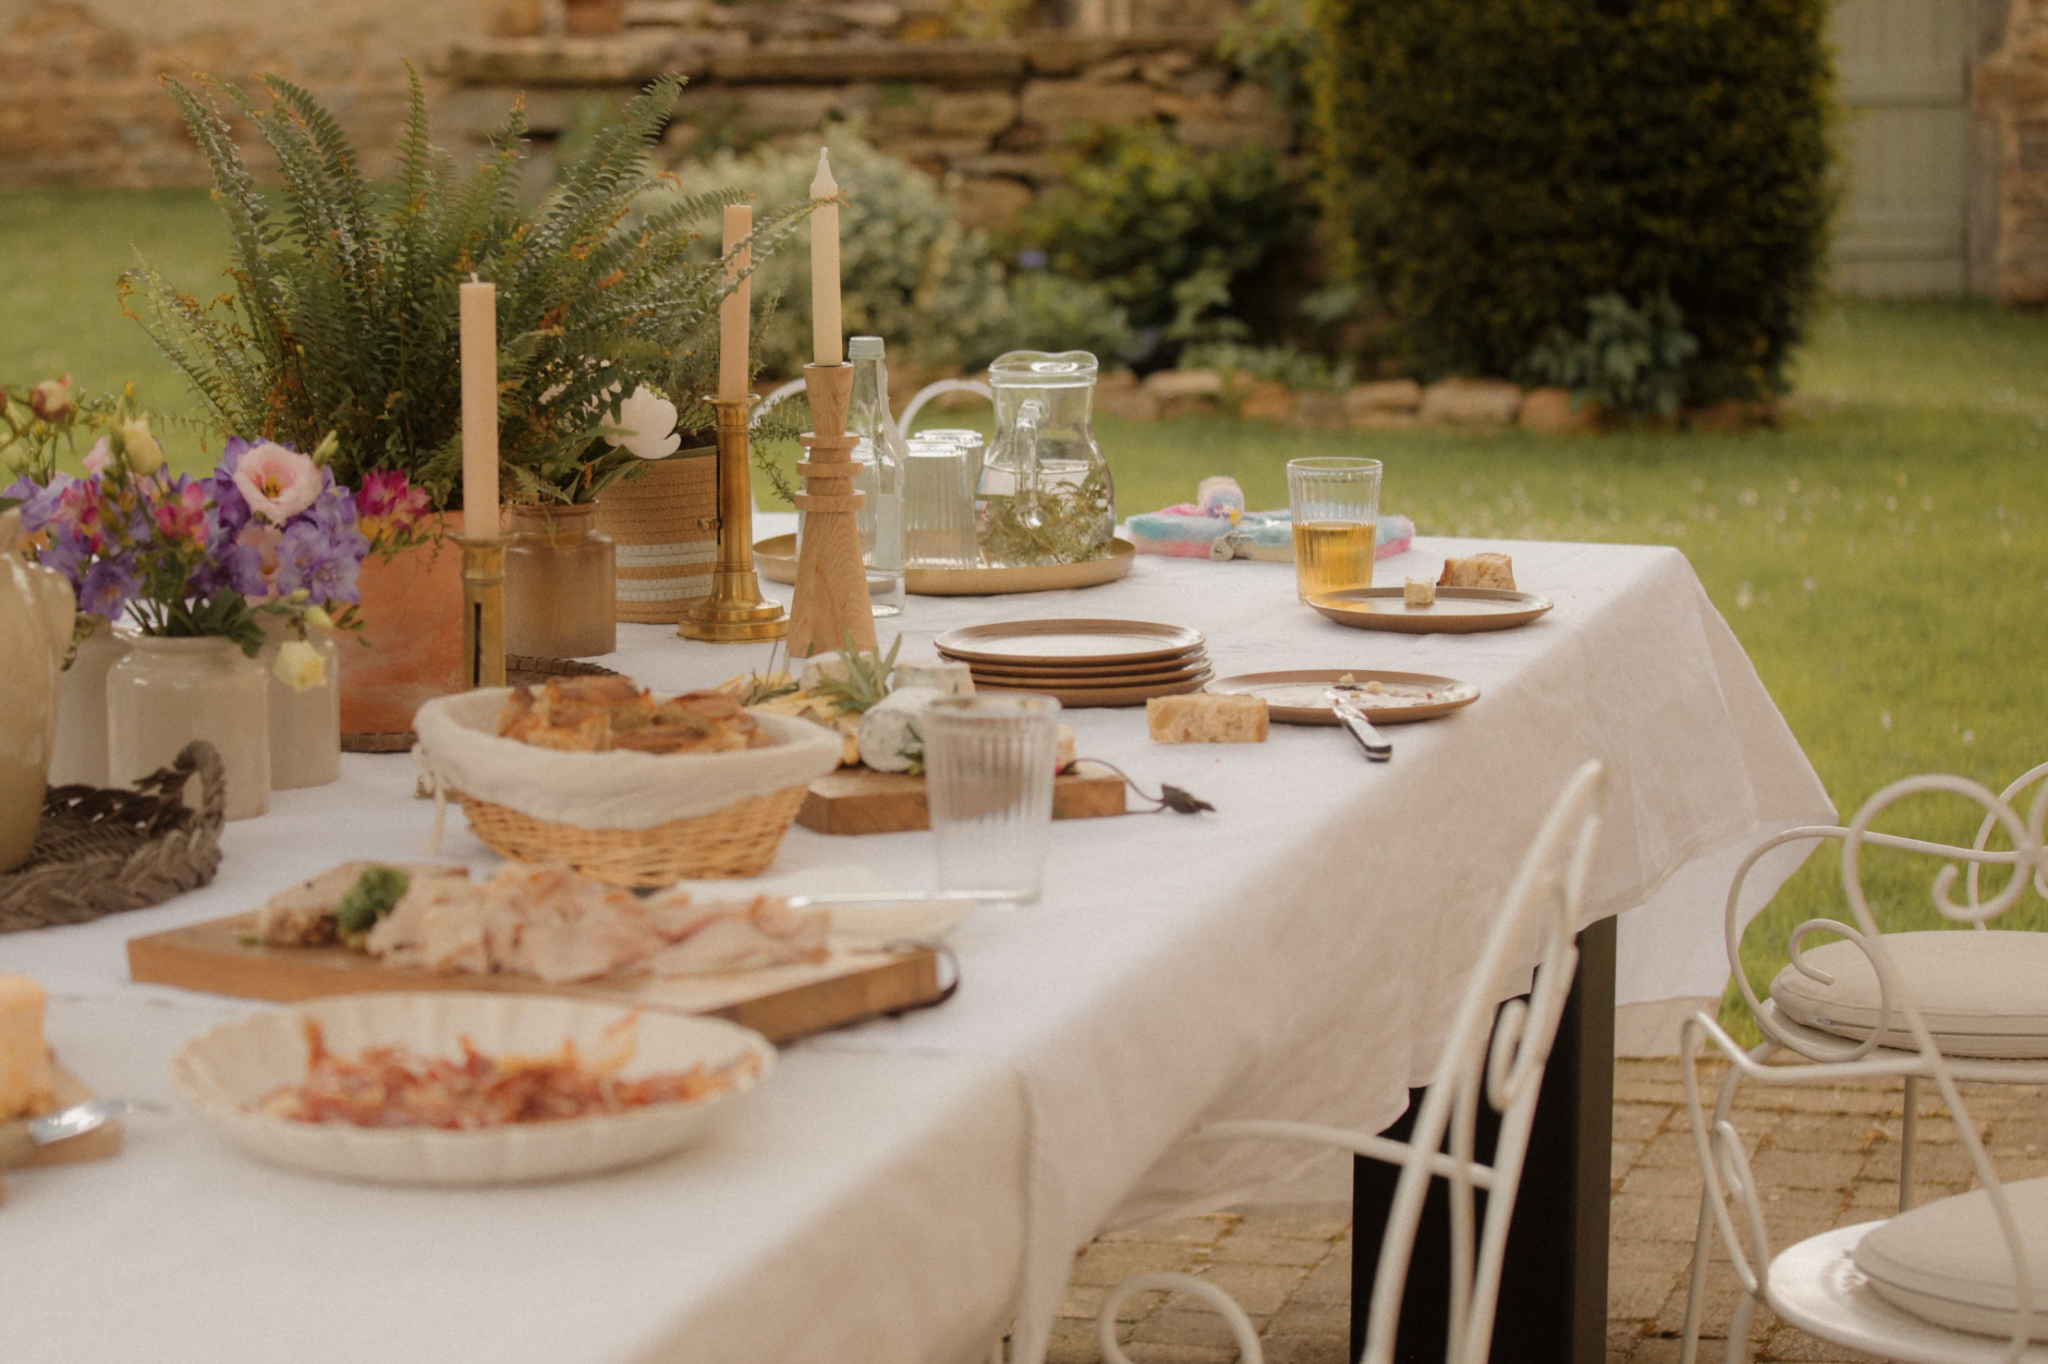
1082 662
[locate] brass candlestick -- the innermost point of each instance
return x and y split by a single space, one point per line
483 610
735 611
831 607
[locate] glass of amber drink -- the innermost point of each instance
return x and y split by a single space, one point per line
1335 506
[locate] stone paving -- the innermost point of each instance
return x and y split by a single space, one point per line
1827 1156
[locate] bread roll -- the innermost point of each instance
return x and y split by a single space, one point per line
1480 570
1207 718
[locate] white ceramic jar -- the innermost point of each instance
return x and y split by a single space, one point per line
305 726
168 692
80 757
35 629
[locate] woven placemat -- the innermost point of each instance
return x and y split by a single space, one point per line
103 850
521 670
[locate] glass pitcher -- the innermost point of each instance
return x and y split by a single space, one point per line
1045 495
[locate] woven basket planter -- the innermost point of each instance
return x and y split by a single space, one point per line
104 851
739 840
664 529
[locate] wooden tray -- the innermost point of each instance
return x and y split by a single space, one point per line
775 557
780 1002
860 801
98 1144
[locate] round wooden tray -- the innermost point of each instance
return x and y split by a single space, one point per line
775 557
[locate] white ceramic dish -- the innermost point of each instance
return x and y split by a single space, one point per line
220 1072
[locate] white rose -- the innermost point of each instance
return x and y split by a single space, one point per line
139 449
300 666
647 425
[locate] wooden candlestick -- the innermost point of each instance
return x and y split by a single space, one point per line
831 607
735 611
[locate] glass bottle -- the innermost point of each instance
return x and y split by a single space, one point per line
880 454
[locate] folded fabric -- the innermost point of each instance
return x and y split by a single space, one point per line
1216 526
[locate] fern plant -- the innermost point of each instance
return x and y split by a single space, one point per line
343 314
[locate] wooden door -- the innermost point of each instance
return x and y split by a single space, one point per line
1904 69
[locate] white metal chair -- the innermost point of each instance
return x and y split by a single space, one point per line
1496 1052
1954 1281
1825 1006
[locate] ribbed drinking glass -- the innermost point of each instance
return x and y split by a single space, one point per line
1335 507
989 768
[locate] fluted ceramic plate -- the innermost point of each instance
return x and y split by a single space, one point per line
220 1073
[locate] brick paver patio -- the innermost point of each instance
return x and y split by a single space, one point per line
1829 1156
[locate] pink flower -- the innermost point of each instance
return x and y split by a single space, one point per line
52 400
278 481
99 459
388 508
182 516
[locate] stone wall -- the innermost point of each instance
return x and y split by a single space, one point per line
2012 92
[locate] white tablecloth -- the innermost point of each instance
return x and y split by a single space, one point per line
1293 954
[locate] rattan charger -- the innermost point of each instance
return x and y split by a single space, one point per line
739 840
102 851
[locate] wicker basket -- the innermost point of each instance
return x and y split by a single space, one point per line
664 529
739 840
104 851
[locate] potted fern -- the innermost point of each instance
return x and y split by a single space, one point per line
342 319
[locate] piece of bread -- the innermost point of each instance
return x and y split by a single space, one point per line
1207 718
1480 570
25 1079
1418 592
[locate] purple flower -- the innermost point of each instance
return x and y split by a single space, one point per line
110 584
308 558
43 503
68 552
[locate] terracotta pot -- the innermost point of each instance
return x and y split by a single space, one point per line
35 629
412 618
593 18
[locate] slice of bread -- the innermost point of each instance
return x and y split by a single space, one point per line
1480 570
1207 718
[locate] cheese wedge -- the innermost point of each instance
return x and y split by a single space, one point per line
25 1081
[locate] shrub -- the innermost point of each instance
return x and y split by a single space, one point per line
1179 239
1055 313
1630 360
910 272
1490 165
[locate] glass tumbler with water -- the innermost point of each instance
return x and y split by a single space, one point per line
1335 507
989 764
940 470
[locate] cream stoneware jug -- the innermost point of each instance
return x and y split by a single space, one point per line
35 630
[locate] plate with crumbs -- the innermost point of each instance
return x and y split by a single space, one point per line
1296 698
1456 610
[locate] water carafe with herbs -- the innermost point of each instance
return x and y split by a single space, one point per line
1045 495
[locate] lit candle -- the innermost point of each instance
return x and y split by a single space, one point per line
479 408
826 343
732 314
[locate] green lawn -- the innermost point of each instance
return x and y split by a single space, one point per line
1884 558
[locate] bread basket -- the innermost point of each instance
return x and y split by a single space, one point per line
630 819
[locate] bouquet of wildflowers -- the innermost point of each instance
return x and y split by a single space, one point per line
267 533
35 420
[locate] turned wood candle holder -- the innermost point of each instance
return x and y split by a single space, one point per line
831 609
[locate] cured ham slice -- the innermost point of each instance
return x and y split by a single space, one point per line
557 926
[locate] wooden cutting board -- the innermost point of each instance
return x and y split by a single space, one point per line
18 1153
857 800
779 1002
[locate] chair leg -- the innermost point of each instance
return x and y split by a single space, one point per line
1907 1126
1738 1330
1703 1238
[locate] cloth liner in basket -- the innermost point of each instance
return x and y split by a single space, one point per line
460 751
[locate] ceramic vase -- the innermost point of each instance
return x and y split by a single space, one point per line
35 629
411 610
305 725
80 756
559 584
168 692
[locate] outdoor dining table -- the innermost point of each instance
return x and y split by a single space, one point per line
910 1188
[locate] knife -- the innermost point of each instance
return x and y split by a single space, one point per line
1352 717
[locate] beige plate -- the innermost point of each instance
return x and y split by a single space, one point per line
1296 698
776 558
1068 643
1074 698
1457 610
1082 672
992 677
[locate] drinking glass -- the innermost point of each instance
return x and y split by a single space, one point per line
1335 508
939 476
988 764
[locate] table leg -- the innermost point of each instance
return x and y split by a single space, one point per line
1553 1293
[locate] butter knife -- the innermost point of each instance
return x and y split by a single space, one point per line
1349 714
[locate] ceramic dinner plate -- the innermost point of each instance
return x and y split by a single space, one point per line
1080 672
1077 697
775 557
1457 610
1068 642
1296 698
995 678
219 1074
